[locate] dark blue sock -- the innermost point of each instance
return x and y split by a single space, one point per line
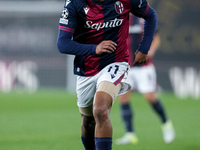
88 143
159 109
103 143
127 116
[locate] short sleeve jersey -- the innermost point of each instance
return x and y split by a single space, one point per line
92 21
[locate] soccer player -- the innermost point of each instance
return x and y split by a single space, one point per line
95 31
142 79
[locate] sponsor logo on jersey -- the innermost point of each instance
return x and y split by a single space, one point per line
100 25
86 10
119 7
65 13
63 21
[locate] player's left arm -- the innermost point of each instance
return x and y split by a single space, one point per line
142 9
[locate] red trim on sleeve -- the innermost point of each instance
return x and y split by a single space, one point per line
146 10
66 29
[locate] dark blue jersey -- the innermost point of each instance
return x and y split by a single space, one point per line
86 23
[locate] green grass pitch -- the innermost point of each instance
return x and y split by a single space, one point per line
49 120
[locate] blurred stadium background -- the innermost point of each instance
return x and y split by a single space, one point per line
31 63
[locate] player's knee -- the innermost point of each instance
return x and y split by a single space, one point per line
88 123
150 97
101 114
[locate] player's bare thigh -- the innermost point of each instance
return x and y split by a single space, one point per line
106 87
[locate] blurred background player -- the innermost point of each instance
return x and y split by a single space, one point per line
142 79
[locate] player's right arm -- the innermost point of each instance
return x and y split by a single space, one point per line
67 27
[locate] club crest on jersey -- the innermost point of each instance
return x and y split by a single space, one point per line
119 7
65 13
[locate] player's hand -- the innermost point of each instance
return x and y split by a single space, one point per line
106 47
140 58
